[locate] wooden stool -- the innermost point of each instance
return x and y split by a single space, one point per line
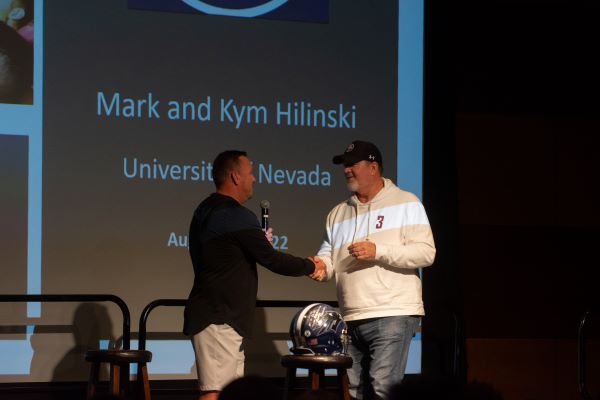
316 365
119 361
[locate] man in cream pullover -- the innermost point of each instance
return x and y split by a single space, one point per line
374 244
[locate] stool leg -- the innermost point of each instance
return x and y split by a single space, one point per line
143 372
290 377
93 380
115 375
124 381
316 377
344 385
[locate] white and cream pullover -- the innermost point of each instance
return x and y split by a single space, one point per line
390 285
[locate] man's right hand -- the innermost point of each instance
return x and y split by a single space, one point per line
320 272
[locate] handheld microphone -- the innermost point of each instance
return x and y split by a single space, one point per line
264 211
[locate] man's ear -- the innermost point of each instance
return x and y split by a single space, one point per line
374 167
235 177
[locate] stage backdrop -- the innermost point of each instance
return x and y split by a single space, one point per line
131 102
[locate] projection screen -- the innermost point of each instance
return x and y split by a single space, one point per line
103 164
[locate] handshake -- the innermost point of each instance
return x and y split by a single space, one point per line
361 251
320 272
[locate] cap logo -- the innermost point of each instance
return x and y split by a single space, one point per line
371 157
349 148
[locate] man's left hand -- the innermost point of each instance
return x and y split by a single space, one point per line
363 250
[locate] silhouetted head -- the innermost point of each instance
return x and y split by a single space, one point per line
250 387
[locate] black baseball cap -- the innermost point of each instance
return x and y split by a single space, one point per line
357 151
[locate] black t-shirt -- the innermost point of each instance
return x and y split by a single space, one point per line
226 241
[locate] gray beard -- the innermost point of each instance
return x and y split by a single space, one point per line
352 186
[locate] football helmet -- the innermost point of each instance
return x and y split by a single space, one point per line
318 329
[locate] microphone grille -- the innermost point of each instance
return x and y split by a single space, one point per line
265 204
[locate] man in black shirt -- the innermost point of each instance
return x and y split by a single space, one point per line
226 242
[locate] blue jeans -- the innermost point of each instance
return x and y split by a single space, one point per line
379 348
